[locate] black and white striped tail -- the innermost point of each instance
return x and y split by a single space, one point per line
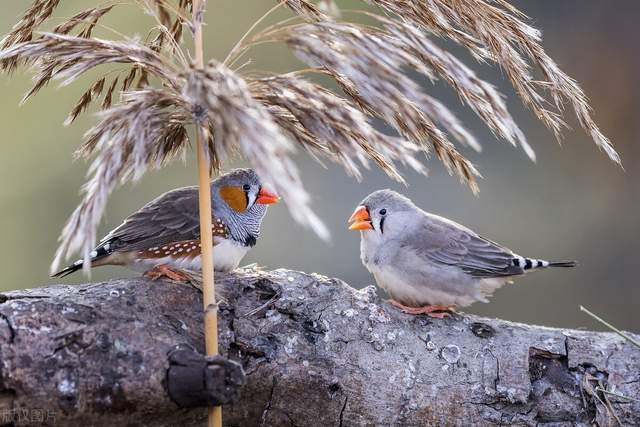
531 263
96 254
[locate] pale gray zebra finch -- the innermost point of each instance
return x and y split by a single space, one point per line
429 264
163 237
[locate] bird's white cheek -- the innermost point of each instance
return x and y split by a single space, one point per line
252 199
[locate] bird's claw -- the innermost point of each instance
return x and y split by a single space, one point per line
163 270
435 311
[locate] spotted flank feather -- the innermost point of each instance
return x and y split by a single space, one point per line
185 249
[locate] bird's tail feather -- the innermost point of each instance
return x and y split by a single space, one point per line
69 270
97 254
562 264
531 263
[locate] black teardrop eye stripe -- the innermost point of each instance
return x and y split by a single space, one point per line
246 195
382 224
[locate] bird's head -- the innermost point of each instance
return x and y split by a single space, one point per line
241 190
380 211
241 201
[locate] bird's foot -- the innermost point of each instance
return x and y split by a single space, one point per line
436 311
163 270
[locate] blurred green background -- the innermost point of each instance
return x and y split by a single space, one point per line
572 204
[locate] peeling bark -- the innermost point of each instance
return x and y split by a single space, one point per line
314 351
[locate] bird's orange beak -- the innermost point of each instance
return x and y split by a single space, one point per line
360 220
266 197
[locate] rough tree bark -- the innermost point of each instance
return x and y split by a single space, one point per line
315 352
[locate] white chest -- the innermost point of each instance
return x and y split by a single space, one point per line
395 285
227 255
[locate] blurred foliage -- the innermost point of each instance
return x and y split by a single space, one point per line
573 203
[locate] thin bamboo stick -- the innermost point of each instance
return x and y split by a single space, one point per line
206 236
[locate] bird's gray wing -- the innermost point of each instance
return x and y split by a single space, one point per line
444 242
172 217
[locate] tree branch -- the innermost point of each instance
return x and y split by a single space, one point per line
314 350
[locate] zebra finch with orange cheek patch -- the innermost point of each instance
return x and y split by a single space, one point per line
163 237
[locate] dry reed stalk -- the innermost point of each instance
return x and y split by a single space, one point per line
214 416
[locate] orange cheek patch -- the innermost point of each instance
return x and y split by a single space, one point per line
235 198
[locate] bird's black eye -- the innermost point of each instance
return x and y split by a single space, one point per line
383 211
246 187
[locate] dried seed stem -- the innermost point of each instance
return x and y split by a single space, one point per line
610 326
206 237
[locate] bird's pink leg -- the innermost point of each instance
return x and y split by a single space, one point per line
437 311
163 270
